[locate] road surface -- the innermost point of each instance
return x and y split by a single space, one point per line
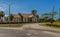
27 31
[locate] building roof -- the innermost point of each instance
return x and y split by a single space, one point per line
16 15
24 15
27 15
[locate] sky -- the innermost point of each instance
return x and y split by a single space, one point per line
26 6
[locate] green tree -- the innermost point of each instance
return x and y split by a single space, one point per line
11 17
49 16
52 15
37 16
1 15
45 16
41 19
6 18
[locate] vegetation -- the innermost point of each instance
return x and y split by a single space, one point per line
49 20
11 17
1 15
6 18
52 17
51 26
45 16
48 17
41 19
37 17
10 25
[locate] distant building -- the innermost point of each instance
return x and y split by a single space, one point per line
25 17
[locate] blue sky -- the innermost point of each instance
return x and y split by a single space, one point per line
26 6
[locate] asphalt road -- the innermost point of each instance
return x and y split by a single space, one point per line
27 32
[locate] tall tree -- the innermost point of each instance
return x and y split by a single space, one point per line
11 17
45 16
49 16
2 14
52 15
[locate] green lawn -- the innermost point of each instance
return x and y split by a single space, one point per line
45 25
10 25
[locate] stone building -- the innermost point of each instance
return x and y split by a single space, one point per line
26 17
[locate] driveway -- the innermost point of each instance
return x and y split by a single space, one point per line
28 30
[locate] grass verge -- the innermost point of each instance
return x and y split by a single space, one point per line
10 25
45 25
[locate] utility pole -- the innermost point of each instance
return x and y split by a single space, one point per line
9 9
53 9
59 13
9 6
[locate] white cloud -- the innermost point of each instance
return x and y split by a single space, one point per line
1 9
